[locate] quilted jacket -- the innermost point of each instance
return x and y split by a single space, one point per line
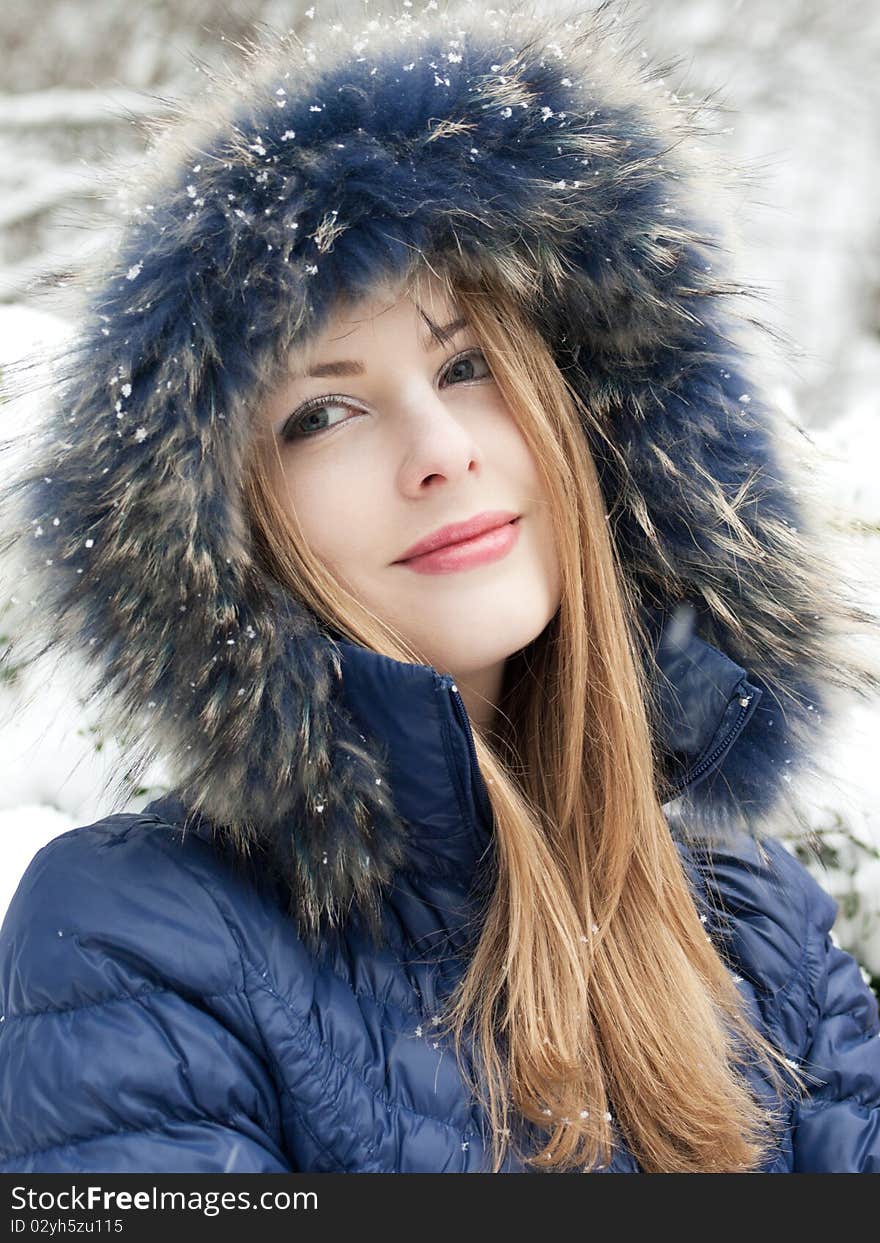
171 1001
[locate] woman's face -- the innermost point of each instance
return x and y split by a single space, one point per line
393 436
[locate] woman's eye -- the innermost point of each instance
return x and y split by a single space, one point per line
464 362
309 422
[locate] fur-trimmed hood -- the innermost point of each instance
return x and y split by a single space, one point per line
313 170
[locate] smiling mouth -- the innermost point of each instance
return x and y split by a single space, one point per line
478 550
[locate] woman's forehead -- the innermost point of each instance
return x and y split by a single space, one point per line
432 304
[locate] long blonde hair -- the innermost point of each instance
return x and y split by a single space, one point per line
593 986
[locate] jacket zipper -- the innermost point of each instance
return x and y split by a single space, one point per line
687 779
726 742
476 774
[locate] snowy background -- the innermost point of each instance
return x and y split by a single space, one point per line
799 94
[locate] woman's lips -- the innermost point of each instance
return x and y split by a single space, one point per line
490 546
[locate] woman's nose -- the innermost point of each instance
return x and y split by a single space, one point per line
437 438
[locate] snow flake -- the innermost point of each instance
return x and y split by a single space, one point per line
595 927
324 857
126 390
288 134
565 81
419 1030
378 781
140 435
310 13
585 1113
56 522
311 269
134 271
791 1062
507 112
254 146
546 113
191 190
608 1117
465 1144
745 399
409 67
453 57
316 108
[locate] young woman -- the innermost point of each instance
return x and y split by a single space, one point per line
410 493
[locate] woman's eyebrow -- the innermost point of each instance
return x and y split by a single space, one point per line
441 334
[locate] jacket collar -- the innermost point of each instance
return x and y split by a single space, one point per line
705 703
438 790
417 716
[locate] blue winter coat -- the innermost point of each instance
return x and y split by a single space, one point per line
161 1014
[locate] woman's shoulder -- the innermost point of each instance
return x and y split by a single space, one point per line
130 957
773 923
763 908
122 906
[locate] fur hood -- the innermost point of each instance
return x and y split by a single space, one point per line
315 168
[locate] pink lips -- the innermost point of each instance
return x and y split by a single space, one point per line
491 545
